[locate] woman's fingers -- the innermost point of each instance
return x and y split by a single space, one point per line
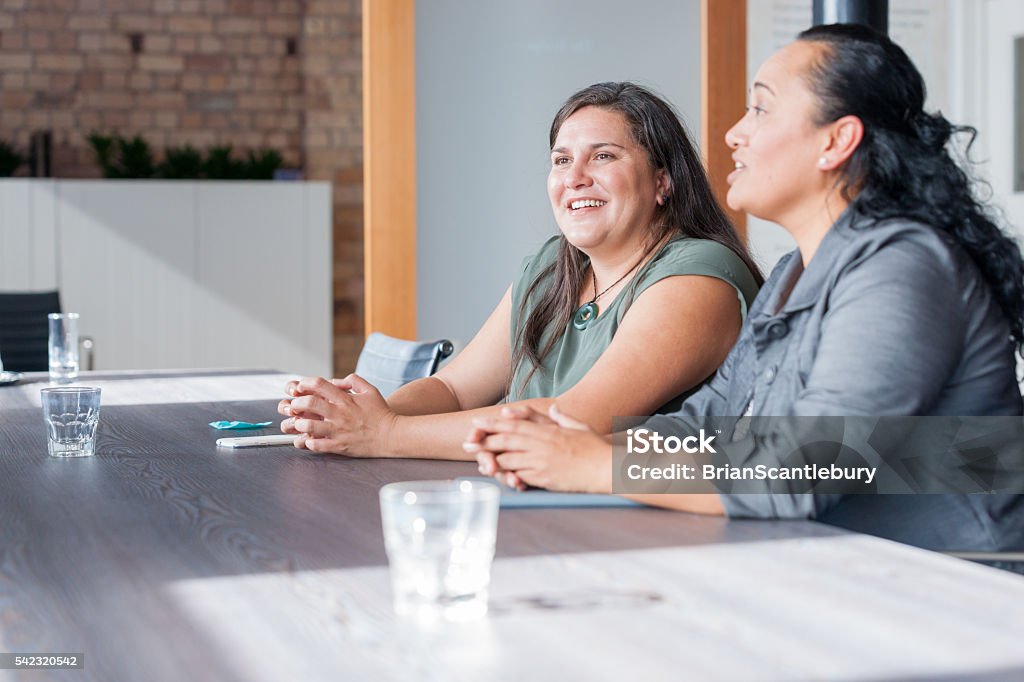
514 461
310 406
343 384
317 428
353 383
359 384
486 463
473 439
520 426
564 420
503 442
512 480
284 407
514 420
321 387
524 412
317 445
518 448
526 478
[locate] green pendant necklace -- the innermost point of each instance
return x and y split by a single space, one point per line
587 312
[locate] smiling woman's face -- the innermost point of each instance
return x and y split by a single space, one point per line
603 190
777 143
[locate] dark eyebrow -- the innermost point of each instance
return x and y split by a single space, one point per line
759 84
596 145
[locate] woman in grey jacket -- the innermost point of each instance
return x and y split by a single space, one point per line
903 297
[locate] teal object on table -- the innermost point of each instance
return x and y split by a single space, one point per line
239 426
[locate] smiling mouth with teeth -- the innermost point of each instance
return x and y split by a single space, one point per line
586 203
739 165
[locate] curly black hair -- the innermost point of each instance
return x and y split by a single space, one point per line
903 166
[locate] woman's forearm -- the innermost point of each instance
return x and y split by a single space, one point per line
424 396
440 436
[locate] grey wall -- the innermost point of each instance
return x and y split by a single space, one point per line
490 75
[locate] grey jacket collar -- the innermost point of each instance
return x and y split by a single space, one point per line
812 283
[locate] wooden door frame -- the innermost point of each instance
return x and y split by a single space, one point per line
389 167
723 90
389 142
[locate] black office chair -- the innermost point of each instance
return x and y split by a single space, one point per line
25 331
389 363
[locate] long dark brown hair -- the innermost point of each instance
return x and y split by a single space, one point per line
690 210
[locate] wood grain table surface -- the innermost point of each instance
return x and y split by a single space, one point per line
164 558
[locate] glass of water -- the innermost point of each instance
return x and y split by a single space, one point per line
439 537
63 347
72 414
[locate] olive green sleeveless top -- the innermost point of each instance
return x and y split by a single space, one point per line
576 350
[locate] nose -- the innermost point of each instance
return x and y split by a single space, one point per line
577 176
736 135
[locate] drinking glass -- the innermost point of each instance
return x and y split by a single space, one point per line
63 347
72 414
439 537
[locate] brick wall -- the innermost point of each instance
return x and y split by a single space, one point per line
284 74
332 68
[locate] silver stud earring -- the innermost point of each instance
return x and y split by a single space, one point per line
822 161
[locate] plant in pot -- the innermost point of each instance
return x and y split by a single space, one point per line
10 159
122 158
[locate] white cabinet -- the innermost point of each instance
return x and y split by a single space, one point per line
179 274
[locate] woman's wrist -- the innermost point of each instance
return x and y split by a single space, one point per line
388 435
600 467
605 470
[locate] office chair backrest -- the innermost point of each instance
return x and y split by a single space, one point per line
389 363
24 329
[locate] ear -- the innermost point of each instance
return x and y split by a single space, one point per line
844 136
663 185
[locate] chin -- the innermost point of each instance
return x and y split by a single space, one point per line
579 238
734 201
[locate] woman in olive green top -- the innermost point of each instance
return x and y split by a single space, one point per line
576 350
634 304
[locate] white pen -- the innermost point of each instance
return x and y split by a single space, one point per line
255 441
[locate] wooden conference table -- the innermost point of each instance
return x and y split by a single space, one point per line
162 558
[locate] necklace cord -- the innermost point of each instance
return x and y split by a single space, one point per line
587 312
626 274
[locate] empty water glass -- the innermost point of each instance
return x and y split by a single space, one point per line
63 347
72 414
439 537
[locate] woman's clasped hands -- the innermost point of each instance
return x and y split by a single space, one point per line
523 447
347 416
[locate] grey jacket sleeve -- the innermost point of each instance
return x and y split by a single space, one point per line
890 340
